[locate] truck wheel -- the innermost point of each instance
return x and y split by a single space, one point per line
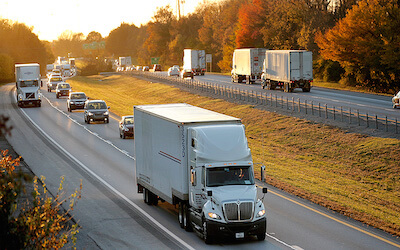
206 235
146 197
57 96
180 214
186 218
306 89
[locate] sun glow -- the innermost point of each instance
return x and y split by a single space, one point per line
50 18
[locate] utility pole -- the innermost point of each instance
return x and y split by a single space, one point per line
178 8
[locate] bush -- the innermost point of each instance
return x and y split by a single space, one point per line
40 223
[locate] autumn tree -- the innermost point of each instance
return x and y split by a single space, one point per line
69 42
159 34
367 44
251 21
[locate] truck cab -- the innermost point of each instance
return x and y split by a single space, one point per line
28 83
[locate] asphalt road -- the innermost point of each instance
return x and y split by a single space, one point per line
57 143
373 104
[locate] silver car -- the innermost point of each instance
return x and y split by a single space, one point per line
76 100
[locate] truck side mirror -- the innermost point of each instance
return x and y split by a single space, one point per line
209 193
265 190
41 83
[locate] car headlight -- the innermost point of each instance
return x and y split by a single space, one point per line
106 113
260 213
90 113
214 216
71 103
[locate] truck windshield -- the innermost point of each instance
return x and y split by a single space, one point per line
29 83
234 175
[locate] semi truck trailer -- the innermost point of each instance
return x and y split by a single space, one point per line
247 65
28 83
287 69
198 160
194 60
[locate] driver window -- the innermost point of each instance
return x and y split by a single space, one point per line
193 177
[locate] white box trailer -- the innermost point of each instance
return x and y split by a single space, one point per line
28 83
125 61
194 60
247 64
199 160
287 69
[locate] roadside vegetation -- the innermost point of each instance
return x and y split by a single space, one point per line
353 174
36 219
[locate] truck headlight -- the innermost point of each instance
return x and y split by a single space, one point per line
214 216
260 213
90 113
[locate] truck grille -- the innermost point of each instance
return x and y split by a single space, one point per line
238 212
29 95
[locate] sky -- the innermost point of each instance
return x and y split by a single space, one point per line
50 18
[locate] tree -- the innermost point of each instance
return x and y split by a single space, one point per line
69 42
251 21
6 68
367 44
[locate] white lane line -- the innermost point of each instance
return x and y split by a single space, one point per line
109 186
85 127
283 243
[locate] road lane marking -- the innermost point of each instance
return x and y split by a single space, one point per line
116 192
91 132
337 220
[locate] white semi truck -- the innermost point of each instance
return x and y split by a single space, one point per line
287 69
247 64
199 160
28 83
194 60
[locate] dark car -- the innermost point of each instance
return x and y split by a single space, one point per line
126 126
187 73
63 89
76 100
96 110
156 67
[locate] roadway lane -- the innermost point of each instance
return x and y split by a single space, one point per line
371 103
112 218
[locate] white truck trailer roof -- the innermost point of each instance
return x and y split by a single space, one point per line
182 113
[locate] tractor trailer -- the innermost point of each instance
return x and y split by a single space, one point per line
194 60
247 64
198 160
28 83
287 69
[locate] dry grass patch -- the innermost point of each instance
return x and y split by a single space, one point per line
354 174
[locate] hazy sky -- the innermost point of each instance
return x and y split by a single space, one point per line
49 18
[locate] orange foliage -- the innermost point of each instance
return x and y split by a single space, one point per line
251 21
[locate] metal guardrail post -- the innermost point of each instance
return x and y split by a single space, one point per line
326 111
386 124
305 104
376 121
349 115
358 117
263 173
367 120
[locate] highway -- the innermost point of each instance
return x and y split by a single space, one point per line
54 143
373 104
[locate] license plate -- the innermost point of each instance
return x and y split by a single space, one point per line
239 235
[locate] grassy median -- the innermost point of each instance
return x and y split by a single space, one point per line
356 175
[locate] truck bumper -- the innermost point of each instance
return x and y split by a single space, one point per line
238 229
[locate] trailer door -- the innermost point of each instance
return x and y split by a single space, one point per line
295 66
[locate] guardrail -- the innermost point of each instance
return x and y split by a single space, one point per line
341 113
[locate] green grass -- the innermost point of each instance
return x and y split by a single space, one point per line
353 174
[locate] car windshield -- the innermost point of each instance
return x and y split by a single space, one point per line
234 175
97 105
128 120
29 83
78 96
63 86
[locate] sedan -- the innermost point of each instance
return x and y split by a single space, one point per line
173 71
187 73
76 100
396 100
96 110
126 126
63 89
